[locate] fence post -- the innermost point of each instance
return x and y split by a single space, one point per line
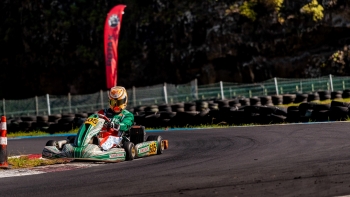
165 93
331 81
222 91
101 101
134 95
276 86
194 88
69 103
48 104
3 107
36 105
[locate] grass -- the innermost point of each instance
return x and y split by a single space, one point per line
25 162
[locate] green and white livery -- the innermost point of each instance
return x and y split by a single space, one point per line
86 145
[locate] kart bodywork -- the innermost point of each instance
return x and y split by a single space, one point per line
86 145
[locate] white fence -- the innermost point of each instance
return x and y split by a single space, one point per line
169 94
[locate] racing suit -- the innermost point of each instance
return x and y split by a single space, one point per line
124 119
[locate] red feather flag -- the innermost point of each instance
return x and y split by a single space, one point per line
111 35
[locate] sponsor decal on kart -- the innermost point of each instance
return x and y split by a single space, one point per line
150 148
143 150
92 121
116 155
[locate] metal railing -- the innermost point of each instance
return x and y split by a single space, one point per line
169 94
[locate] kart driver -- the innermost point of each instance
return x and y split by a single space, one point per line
121 119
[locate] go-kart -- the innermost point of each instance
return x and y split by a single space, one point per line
92 142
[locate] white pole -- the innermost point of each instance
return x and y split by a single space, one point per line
36 105
3 106
101 96
276 85
48 104
222 91
196 88
330 79
69 103
134 95
165 93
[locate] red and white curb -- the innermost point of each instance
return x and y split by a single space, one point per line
44 169
30 156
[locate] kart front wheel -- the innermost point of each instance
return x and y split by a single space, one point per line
130 151
158 138
52 143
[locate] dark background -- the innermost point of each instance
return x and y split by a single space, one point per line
56 47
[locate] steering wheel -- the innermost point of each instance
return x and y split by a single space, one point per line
104 117
107 120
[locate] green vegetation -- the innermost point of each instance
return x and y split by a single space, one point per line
247 10
64 40
314 9
25 162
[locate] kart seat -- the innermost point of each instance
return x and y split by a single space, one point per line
137 134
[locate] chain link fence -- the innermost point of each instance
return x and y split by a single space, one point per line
169 94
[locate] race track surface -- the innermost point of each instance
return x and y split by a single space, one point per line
290 160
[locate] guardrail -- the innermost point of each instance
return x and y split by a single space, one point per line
169 94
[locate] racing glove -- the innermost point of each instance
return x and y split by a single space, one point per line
113 125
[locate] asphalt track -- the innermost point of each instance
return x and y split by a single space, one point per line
290 160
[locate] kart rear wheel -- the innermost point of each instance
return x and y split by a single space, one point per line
158 138
130 151
52 143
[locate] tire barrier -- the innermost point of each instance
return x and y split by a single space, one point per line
3 143
235 111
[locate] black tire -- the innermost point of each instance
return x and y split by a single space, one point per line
71 139
301 98
255 101
339 103
277 99
159 139
130 151
28 118
288 98
42 118
190 106
52 143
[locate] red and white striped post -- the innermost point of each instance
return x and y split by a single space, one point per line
3 143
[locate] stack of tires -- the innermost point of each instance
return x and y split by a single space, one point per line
338 111
187 116
324 95
300 98
311 111
346 94
236 110
66 122
266 100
